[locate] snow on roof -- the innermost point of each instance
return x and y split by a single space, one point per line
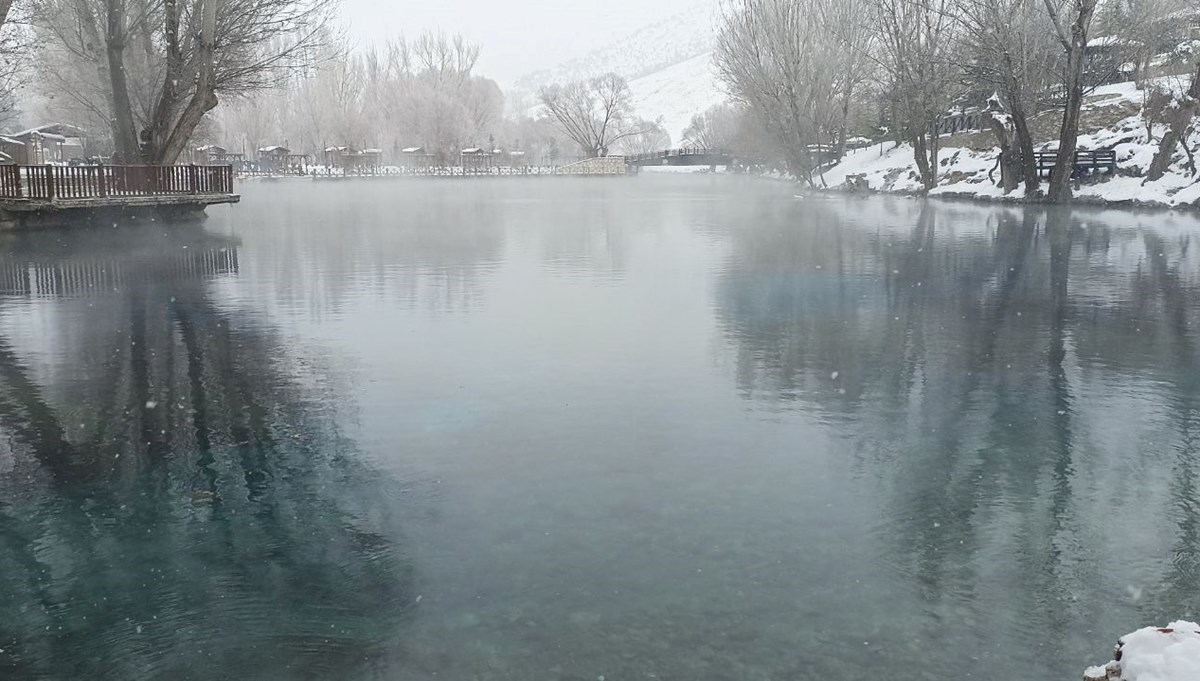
210 147
58 129
413 150
10 140
372 151
474 150
328 149
273 149
1105 41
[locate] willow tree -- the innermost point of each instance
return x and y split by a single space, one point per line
157 67
797 66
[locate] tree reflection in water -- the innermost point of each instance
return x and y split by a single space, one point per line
1025 394
177 499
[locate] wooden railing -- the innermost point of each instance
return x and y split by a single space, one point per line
675 153
47 183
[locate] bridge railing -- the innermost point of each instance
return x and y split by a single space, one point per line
675 153
47 183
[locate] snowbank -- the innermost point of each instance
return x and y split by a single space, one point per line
971 173
1153 654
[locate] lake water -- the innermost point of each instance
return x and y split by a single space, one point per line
648 428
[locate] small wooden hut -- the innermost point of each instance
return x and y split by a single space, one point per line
476 159
216 155
416 158
47 144
278 160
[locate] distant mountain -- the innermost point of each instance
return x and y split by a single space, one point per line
668 65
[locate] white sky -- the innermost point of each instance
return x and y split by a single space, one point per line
517 36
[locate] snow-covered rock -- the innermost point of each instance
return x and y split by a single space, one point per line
1154 654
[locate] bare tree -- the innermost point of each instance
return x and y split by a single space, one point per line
650 137
716 128
1180 116
1011 50
1145 28
781 61
158 66
919 53
595 113
1072 22
13 66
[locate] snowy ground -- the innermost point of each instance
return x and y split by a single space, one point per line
1152 654
965 172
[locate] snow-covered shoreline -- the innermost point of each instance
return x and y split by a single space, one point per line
967 167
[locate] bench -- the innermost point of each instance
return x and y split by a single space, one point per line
1086 162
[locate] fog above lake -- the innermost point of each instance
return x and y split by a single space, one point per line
517 36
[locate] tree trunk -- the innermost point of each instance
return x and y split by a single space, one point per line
920 154
205 97
1009 160
124 130
1068 140
1025 160
1181 119
1024 140
169 96
5 6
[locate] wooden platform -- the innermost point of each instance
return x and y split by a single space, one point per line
46 196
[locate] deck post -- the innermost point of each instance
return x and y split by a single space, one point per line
49 182
193 178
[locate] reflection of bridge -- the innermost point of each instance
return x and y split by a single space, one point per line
687 156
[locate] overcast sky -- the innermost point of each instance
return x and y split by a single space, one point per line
517 36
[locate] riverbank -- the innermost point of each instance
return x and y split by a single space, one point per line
1112 119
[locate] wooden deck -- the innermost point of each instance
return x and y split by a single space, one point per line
45 195
51 183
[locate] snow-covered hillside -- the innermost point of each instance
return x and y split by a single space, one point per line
971 172
677 93
668 65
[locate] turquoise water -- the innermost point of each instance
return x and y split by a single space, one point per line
641 428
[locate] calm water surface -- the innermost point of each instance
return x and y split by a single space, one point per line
658 428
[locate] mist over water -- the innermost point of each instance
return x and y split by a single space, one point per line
653 427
